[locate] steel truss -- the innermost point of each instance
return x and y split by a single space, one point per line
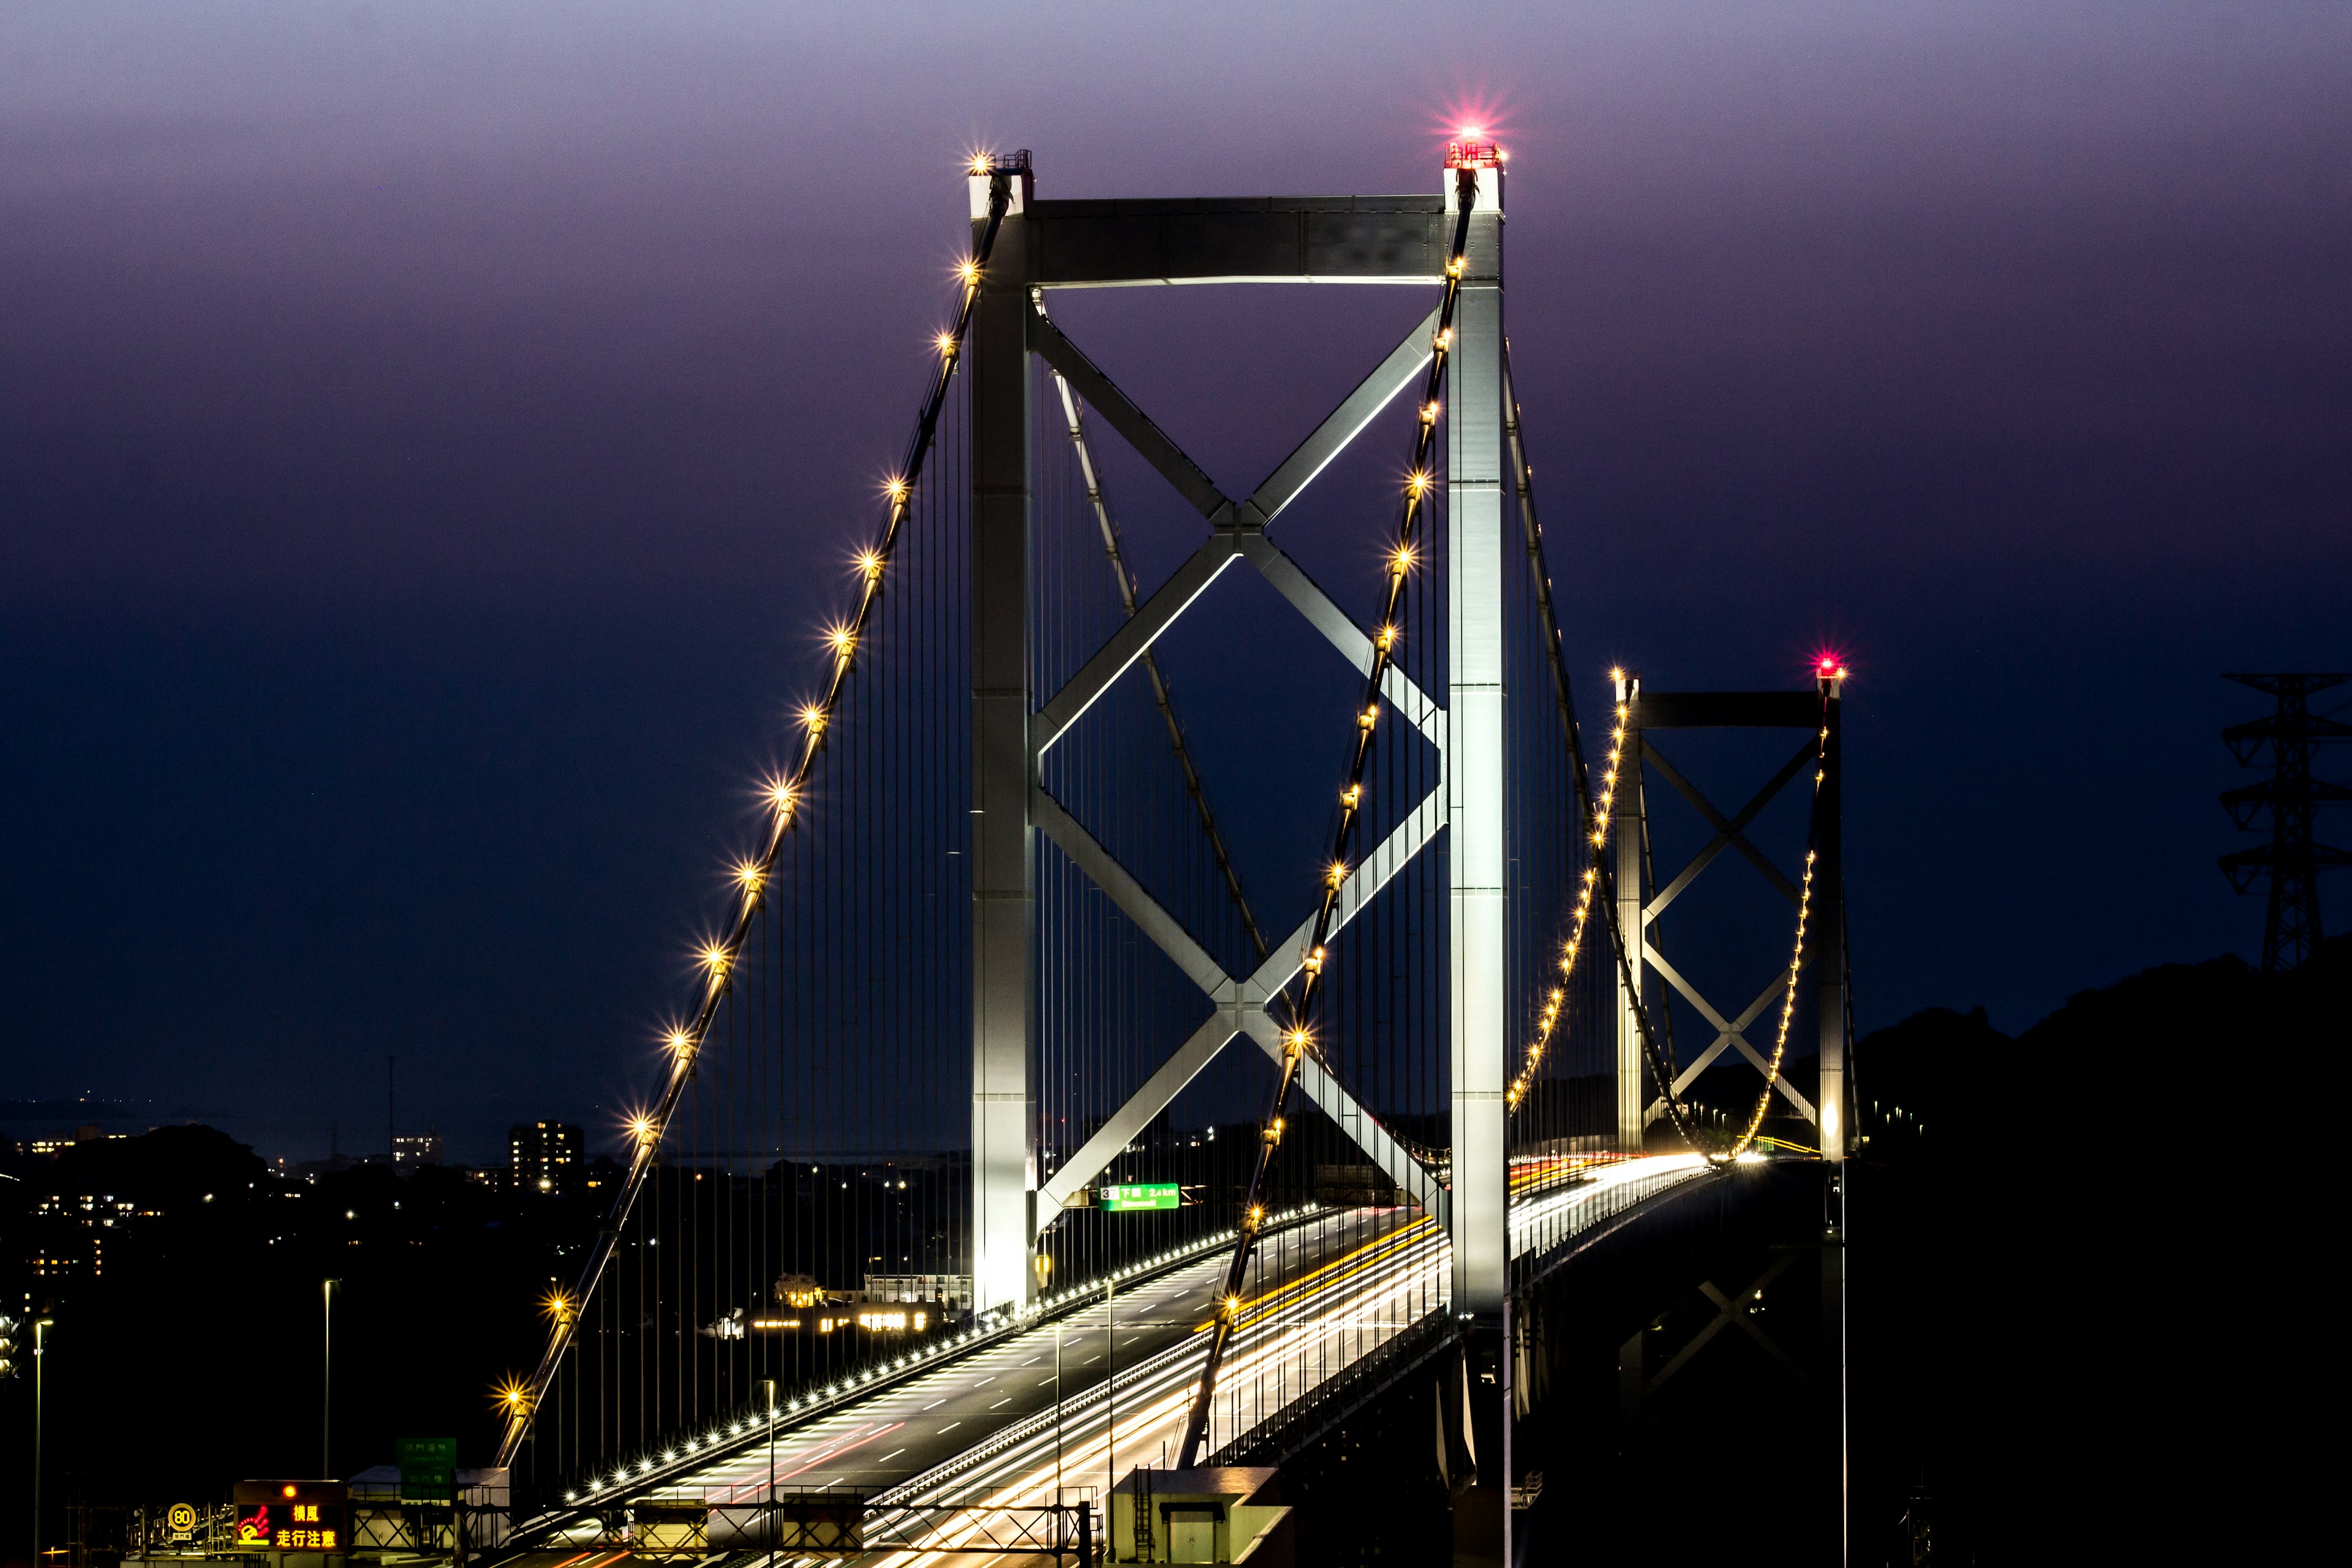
1237 535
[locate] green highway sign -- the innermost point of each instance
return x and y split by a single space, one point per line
1143 1195
428 1470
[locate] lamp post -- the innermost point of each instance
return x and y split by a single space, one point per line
1044 1265
1111 1390
768 1392
40 1348
327 1383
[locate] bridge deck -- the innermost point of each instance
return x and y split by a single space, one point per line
984 1428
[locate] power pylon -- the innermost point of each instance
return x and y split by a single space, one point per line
2292 857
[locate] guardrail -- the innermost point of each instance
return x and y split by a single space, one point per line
751 1429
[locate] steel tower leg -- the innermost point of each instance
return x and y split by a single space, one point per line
1829 879
1829 953
1477 869
1474 775
1003 889
1626 829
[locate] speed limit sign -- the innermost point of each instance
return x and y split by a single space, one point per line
182 1519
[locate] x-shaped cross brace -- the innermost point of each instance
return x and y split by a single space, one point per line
1237 533
1730 833
1732 1312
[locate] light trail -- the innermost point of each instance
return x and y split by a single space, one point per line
1385 1271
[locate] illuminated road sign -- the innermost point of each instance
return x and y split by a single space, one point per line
292 1516
1143 1195
428 1470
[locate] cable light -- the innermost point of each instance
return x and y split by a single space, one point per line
1796 949
784 795
1604 807
1300 1007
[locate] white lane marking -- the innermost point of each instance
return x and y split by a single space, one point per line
985 1381
1002 1402
934 1405
949 1427
890 1456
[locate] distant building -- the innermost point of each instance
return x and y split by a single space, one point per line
547 1157
57 1144
950 1291
413 1150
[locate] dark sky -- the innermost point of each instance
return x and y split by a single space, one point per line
425 431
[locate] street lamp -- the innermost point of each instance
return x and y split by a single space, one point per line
40 1348
768 1390
327 1384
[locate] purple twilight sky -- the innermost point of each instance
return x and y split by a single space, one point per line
428 432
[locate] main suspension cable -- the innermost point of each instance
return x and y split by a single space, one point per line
1602 813
1563 696
1661 1067
1599 875
1796 949
784 795
1299 1007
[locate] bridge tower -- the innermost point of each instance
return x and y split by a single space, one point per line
1817 895
1045 245
1643 895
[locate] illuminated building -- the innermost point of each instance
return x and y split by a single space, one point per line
418 1149
546 1157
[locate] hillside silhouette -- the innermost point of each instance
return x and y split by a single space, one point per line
2072 1251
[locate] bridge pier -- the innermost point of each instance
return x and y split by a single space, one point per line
1482 1510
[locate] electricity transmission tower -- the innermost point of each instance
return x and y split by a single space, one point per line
2292 857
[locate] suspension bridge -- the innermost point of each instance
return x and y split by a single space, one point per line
1032 1173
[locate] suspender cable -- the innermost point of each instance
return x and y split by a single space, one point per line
720 957
1299 1036
1125 578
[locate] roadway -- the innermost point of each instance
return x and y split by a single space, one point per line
988 1428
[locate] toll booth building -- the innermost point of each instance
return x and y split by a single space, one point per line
1231 1514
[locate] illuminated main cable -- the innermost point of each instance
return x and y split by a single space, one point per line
1603 809
1299 1007
1832 674
718 959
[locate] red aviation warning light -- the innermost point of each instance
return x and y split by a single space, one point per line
1473 150
1829 667
1479 159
